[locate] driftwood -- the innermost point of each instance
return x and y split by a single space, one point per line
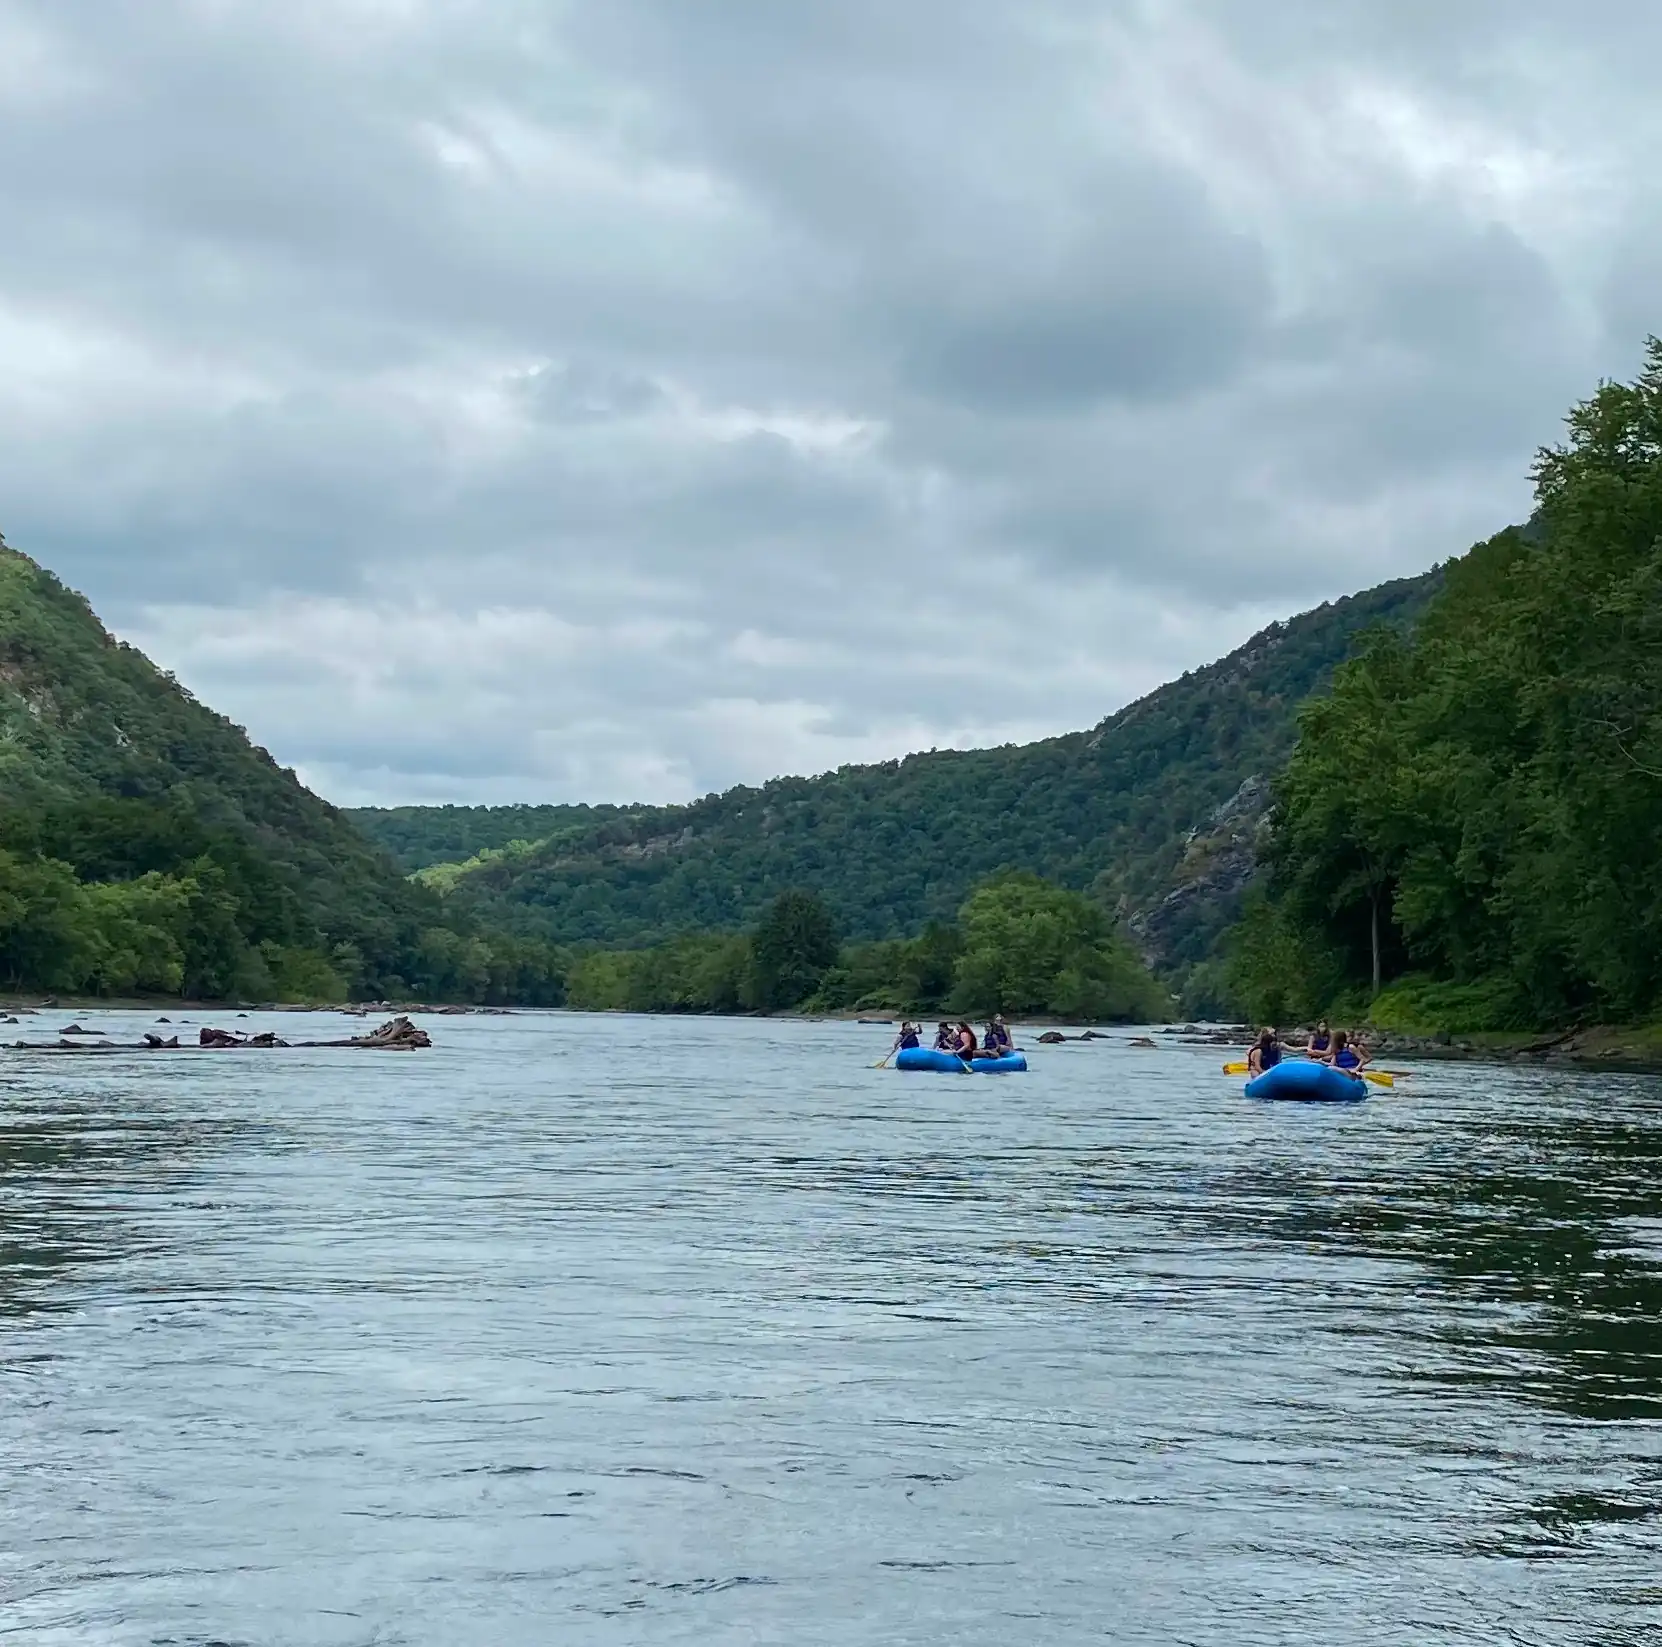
230 1038
396 1035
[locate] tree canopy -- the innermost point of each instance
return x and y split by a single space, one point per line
1492 790
1018 945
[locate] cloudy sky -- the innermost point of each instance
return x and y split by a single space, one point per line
619 399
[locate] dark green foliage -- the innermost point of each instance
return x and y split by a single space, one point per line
895 846
791 950
1492 794
1020 946
708 973
146 845
1280 969
46 931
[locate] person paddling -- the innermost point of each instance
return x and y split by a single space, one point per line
945 1039
1320 1040
1346 1055
1265 1053
908 1037
997 1039
965 1043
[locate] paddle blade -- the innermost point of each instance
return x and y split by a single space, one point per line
1379 1077
1234 1069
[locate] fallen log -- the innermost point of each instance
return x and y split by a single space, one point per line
396 1035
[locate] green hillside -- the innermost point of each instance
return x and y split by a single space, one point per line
419 837
146 844
1154 810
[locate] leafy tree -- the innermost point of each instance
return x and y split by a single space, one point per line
1280 970
1033 947
48 935
1502 822
141 926
926 967
792 949
1345 827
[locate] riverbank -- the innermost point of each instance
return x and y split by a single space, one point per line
1621 1047
1626 1047
1595 1046
173 1009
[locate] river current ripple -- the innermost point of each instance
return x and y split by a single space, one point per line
614 1330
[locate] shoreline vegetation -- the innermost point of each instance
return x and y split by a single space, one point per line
1467 839
1019 945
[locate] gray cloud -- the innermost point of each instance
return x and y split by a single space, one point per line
486 398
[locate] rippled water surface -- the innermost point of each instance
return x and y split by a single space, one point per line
641 1331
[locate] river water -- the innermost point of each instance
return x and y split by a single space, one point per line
600 1330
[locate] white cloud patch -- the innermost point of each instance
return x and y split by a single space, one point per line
624 399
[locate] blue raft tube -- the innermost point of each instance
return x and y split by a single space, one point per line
949 1063
1303 1081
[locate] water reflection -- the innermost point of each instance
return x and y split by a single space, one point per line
1535 1221
76 1161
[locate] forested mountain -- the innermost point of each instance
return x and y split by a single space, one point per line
1154 811
1474 818
146 844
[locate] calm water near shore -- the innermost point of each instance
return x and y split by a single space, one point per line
598 1330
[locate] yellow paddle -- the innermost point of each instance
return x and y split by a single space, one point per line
1379 1077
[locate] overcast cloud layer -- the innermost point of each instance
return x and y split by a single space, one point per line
619 399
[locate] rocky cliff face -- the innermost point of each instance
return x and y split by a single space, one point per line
1219 860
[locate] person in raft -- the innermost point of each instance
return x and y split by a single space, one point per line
945 1039
908 1037
1320 1040
1265 1053
1349 1056
997 1039
964 1046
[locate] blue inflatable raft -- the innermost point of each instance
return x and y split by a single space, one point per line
1304 1081
948 1063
